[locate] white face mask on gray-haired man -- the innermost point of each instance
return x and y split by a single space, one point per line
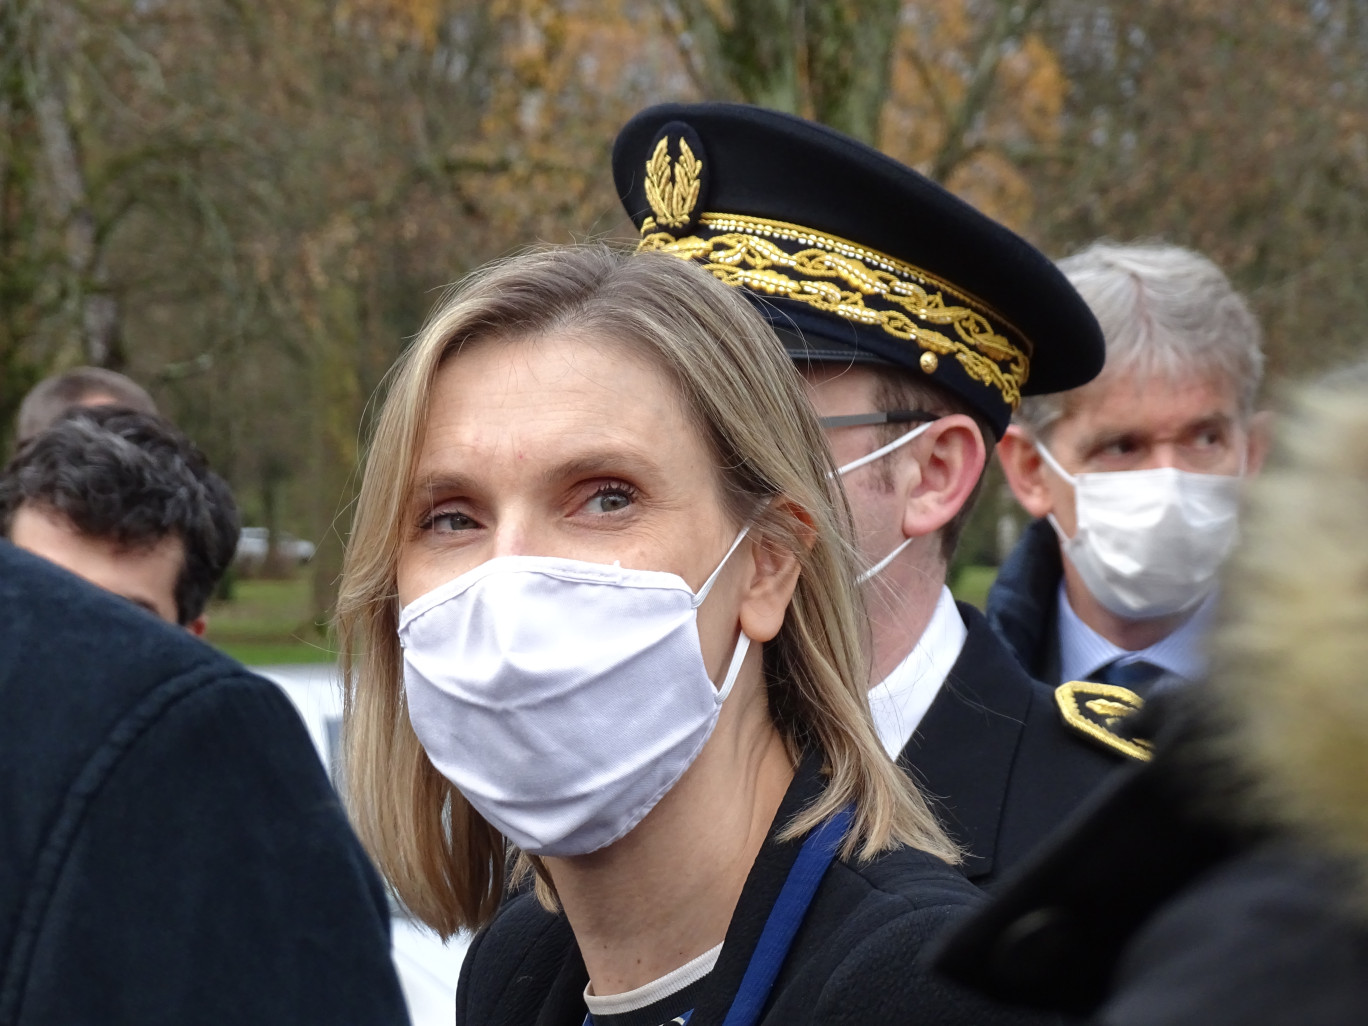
1141 486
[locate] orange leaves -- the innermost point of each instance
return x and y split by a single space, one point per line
394 23
967 95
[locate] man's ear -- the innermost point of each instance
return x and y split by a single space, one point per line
198 626
950 456
1260 437
774 568
1024 469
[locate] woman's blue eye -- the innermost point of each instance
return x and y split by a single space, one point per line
611 499
444 523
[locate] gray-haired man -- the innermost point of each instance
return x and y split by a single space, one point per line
1134 477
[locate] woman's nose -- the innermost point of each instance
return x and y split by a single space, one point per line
511 539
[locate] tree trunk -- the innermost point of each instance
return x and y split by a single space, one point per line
849 51
96 310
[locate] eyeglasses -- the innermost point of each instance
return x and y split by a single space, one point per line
886 417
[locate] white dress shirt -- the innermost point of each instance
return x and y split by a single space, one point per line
1082 651
901 699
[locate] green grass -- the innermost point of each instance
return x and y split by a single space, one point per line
971 584
268 621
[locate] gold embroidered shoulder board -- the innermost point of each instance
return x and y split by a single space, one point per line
1099 712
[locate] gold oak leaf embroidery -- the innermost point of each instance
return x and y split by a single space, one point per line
1109 710
672 197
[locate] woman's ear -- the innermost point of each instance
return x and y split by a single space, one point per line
950 457
774 568
1023 467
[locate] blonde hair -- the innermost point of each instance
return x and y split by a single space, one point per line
443 860
1290 657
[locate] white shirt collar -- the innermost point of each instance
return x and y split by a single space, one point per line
1082 651
901 699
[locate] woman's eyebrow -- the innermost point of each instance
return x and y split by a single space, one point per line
427 485
629 462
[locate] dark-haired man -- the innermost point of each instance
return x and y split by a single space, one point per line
918 324
126 501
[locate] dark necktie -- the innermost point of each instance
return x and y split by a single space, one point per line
1137 675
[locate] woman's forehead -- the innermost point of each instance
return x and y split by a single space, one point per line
511 398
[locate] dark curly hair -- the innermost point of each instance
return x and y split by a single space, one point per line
133 479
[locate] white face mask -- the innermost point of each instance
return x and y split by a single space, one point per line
1150 542
879 454
563 699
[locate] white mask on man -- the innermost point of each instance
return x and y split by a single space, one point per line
1149 543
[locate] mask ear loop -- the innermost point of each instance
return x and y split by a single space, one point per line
878 567
882 451
734 667
702 592
1053 464
743 641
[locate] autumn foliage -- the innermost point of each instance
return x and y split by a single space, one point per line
250 206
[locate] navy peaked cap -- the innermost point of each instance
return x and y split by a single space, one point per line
854 257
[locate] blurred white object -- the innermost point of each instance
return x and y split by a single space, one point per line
254 544
428 969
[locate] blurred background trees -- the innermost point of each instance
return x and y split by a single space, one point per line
250 207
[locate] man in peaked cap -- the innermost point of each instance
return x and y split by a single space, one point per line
918 324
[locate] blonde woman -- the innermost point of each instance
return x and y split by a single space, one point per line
599 616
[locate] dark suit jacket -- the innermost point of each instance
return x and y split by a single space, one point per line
854 960
170 848
995 756
1023 603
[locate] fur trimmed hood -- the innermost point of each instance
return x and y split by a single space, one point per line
1290 666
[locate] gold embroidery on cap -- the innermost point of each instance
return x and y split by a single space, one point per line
862 285
673 199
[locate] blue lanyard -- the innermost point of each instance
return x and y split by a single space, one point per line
787 915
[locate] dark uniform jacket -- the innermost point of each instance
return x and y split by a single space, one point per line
1023 603
854 959
996 758
170 849
1157 908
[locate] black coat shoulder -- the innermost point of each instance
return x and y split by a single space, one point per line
862 955
166 827
997 760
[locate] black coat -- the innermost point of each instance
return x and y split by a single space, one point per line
170 848
997 760
1023 603
1157 908
854 960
